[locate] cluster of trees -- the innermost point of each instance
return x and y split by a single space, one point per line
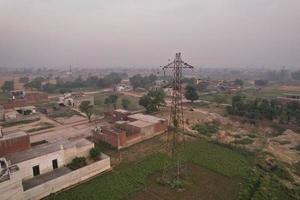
153 100
282 75
24 79
87 108
191 93
277 75
261 82
35 83
111 100
62 86
258 109
7 86
139 81
296 75
239 82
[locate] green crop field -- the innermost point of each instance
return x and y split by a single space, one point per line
3 97
128 178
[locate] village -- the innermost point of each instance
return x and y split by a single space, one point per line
53 141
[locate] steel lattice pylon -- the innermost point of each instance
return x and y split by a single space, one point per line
176 113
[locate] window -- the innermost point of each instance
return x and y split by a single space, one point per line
54 164
36 170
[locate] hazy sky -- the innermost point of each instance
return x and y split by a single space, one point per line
111 33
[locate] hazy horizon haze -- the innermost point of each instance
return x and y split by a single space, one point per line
139 33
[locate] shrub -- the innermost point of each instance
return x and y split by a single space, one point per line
243 141
77 163
297 147
205 129
95 152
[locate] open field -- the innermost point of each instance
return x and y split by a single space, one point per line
100 107
200 182
216 98
273 91
3 97
216 161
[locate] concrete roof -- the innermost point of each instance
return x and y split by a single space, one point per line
146 118
140 124
12 135
45 149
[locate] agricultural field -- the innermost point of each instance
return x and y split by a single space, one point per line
213 164
216 98
3 97
272 91
100 107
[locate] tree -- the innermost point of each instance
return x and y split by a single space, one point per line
24 79
91 81
142 81
35 83
125 103
49 87
191 93
153 100
8 86
296 75
109 80
95 152
261 82
202 86
239 82
87 108
111 99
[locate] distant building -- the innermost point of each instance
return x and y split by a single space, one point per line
20 113
22 98
128 129
123 88
75 99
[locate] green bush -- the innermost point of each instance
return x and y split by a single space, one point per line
243 141
77 163
262 184
297 147
205 129
95 152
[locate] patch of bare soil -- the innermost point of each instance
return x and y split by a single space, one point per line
283 147
293 88
199 183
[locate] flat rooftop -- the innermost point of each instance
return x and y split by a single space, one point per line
45 149
12 135
35 181
146 118
140 123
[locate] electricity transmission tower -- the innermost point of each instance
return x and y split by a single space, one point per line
176 113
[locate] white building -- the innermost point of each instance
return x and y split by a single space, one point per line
41 170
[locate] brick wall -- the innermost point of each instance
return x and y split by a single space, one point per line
36 97
14 145
114 139
15 103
